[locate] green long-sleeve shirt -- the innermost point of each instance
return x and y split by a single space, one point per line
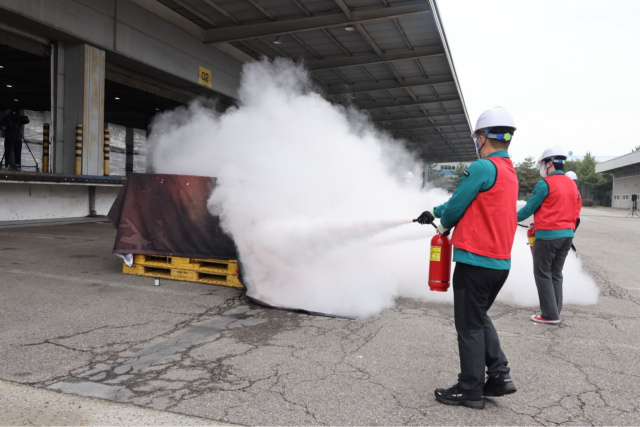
479 176
540 192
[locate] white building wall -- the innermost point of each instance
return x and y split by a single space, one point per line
624 187
32 201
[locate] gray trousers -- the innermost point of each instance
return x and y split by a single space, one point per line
548 261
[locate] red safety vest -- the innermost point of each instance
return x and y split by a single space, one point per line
488 226
559 210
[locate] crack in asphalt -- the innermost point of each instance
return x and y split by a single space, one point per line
166 383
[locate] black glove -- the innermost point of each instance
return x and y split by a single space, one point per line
425 217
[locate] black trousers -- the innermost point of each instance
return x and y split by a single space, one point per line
474 291
12 151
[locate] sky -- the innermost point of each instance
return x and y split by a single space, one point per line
567 70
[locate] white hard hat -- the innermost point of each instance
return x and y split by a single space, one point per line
572 175
408 175
494 117
552 152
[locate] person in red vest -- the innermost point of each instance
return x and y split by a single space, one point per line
555 207
482 211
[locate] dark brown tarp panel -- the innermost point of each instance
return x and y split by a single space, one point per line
167 215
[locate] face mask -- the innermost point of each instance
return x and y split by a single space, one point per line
479 147
543 171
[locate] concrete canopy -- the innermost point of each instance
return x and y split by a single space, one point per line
388 57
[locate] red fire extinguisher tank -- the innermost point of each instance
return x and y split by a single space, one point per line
531 235
440 263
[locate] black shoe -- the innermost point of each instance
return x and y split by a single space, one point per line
455 397
499 386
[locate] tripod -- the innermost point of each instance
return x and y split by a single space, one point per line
634 206
28 148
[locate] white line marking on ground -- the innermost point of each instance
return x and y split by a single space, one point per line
87 281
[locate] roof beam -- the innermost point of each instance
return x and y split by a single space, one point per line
303 7
262 9
402 33
443 151
387 84
315 22
337 42
425 125
427 141
343 6
353 61
196 12
227 15
406 102
437 137
456 142
417 115
305 45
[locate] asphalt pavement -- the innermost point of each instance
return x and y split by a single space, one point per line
75 327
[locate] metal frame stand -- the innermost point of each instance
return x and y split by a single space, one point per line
30 152
633 212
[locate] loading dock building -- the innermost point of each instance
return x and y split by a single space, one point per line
115 64
626 179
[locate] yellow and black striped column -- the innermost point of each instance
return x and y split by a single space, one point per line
107 140
45 148
78 169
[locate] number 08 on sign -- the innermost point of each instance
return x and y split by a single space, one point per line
204 77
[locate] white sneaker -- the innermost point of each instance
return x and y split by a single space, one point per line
539 319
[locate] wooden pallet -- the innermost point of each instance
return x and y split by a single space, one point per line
200 270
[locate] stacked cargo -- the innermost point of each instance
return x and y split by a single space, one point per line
139 151
118 150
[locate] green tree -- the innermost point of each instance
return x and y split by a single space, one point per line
528 174
586 170
599 183
571 165
603 184
637 148
458 173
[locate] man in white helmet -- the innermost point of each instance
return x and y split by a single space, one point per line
555 205
481 210
572 175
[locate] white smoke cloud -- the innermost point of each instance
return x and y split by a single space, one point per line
318 202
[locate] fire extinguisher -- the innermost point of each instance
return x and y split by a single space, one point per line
440 263
531 235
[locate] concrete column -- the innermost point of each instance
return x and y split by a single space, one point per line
57 106
81 73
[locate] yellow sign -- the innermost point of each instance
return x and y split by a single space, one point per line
435 253
204 77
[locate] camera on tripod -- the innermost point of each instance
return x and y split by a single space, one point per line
12 124
634 206
16 120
